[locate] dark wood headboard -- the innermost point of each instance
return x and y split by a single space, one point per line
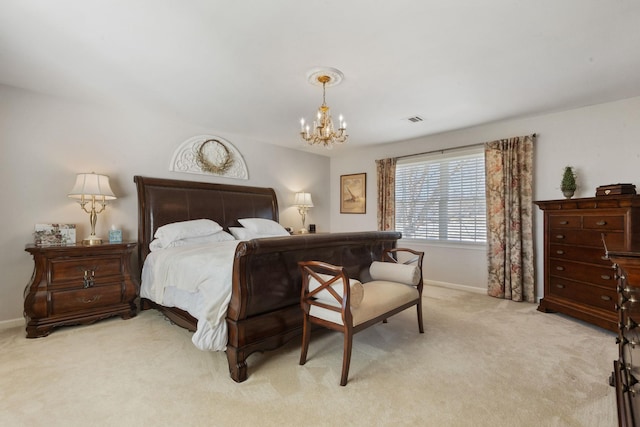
163 201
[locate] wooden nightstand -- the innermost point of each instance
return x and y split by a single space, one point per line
78 284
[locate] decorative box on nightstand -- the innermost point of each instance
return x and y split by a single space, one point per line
78 284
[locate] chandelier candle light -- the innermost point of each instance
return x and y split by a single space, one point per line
303 202
94 189
323 131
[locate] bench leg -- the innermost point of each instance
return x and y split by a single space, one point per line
420 324
346 357
306 336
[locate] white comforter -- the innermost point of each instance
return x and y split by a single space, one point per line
196 279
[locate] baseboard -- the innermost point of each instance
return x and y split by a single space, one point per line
456 286
12 323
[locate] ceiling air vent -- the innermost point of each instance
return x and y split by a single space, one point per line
415 119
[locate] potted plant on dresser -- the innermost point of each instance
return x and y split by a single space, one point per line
568 184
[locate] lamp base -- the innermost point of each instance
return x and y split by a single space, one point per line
92 240
303 231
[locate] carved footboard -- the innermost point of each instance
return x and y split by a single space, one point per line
264 312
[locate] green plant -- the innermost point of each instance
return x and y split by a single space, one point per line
568 180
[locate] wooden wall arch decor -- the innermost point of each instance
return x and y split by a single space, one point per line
209 155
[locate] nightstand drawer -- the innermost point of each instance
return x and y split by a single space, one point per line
84 299
74 270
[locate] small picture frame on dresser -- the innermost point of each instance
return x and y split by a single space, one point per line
54 234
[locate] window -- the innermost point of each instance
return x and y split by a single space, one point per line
442 197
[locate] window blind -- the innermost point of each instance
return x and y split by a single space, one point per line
442 197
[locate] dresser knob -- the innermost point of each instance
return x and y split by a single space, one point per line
564 222
601 223
605 277
559 236
605 297
560 268
559 286
560 252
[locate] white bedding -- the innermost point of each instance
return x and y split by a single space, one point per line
196 279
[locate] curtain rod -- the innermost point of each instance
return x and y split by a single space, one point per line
444 150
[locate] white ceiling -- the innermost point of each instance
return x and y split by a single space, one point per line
239 67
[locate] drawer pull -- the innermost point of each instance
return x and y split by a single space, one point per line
605 297
601 223
605 277
89 300
560 268
559 236
559 286
560 252
89 278
564 222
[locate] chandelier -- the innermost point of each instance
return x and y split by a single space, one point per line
323 131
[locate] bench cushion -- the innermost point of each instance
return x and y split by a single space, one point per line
380 296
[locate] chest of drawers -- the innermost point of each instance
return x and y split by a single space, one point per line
579 279
78 284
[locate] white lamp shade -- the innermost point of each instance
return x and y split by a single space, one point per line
92 184
303 200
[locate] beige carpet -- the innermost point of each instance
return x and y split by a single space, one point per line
481 362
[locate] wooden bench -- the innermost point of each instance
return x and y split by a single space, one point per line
333 300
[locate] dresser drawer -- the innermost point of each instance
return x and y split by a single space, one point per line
85 299
609 222
70 272
591 238
595 296
565 221
579 253
604 276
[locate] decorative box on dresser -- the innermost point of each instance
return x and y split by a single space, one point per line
579 279
77 284
626 369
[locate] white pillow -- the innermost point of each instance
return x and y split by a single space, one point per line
220 236
263 226
241 233
392 272
356 290
186 229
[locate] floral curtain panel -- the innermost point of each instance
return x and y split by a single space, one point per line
509 182
386 176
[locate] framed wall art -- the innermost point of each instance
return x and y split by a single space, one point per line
353 193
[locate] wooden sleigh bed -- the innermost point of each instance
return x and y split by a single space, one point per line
264 312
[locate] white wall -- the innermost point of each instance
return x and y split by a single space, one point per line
45 141
602 142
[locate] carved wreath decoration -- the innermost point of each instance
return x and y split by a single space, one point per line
208 166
